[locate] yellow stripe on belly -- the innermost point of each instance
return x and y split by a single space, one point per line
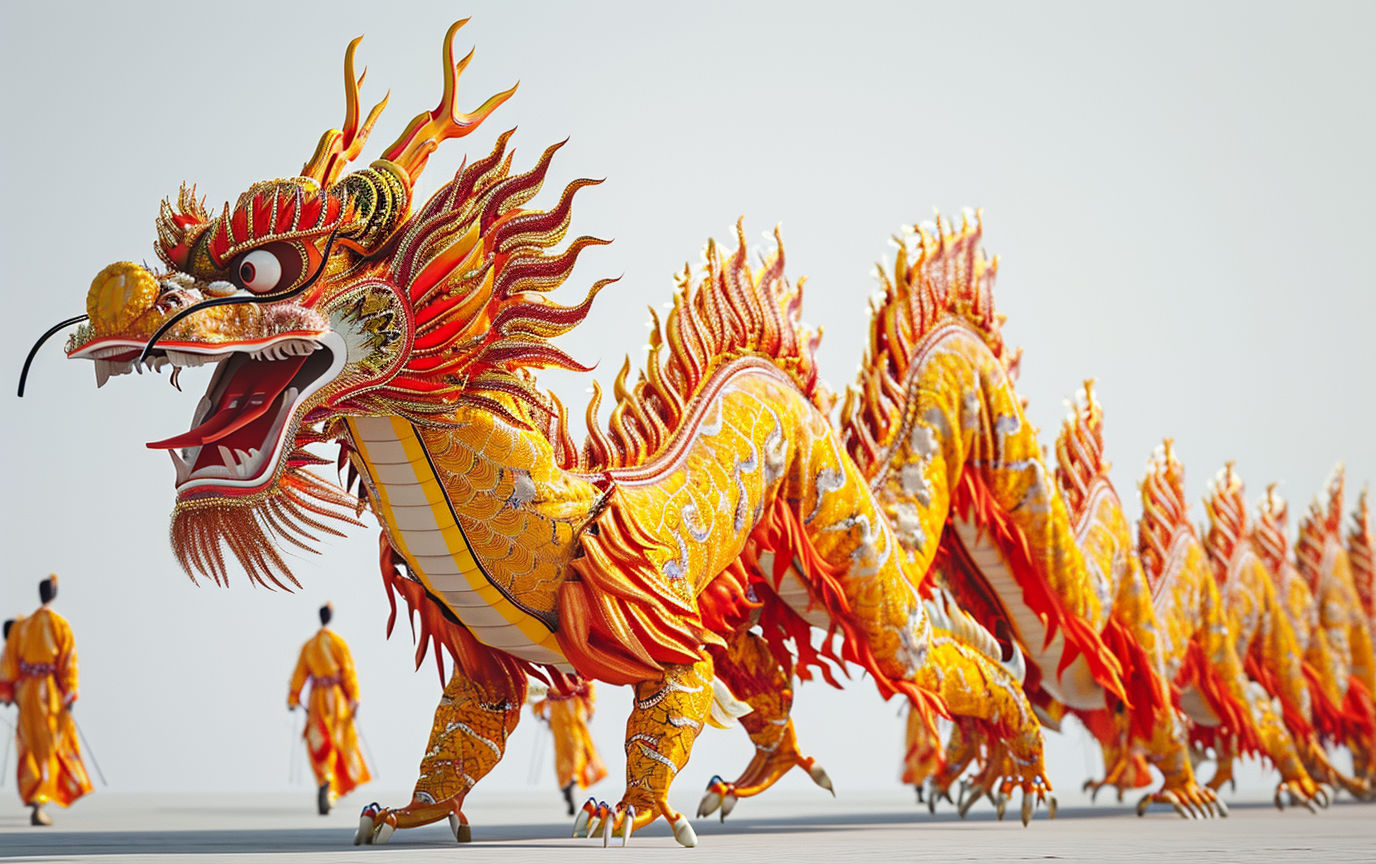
423 529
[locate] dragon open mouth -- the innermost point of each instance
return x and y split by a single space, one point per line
241 424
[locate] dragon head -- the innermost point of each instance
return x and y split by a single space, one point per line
319 297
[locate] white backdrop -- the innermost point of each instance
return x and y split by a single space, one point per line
1181 195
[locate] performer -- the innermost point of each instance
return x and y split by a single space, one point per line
576 762
330 737
38 672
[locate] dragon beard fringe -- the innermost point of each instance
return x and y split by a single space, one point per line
292 512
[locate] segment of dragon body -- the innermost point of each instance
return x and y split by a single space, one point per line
334 313
691 547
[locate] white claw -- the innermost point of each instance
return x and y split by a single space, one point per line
1143 805
1051 806
728 803
1222 808
976 792
626 826
683 832
365 830
384 833
580 824
1001 804
709 804
102 373
819 776
607 830
1027 803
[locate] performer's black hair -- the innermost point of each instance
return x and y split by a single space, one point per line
47 590
326 613
8 624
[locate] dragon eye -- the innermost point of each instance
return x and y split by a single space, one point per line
259 271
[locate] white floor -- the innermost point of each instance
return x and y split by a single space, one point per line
786 826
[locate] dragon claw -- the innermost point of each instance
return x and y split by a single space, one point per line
627 825
1028 802
819 776
582 823
366 823
683 832
462 833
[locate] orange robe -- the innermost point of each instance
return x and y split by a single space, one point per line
330 737
38 672
575 756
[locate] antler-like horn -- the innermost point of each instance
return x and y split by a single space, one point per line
429 128
338 148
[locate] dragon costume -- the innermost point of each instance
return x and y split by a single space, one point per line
719 492
692 548
1150 731
1339 654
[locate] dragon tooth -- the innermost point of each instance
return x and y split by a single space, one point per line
228 458
183 469
102 372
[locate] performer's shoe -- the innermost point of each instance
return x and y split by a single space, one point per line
39 817
568 797
323 800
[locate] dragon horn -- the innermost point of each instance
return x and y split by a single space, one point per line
338 148
424 133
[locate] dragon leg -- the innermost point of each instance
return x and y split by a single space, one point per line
755 676
667 717
922 759
976 688
1280 748
472 724
1169 753
962 748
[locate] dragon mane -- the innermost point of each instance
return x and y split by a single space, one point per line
1164 510
1268 531
1227 513
1359 551
1080 451
1321 522
939 274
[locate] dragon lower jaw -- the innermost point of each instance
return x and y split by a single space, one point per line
242 425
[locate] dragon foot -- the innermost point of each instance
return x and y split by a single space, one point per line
598 818
376 825
1190 802
1299 795
720 795
935 793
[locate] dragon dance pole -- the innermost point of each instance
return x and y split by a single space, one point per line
366 748
89 750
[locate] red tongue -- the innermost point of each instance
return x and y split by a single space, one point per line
253 390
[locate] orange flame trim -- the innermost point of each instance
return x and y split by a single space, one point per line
1080 451
1164 510
950 276
1319 525
1268 531
1234 718
1359 551
1227 511
438 628
973 501
729 310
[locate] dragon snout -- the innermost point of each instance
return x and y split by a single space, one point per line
119 295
